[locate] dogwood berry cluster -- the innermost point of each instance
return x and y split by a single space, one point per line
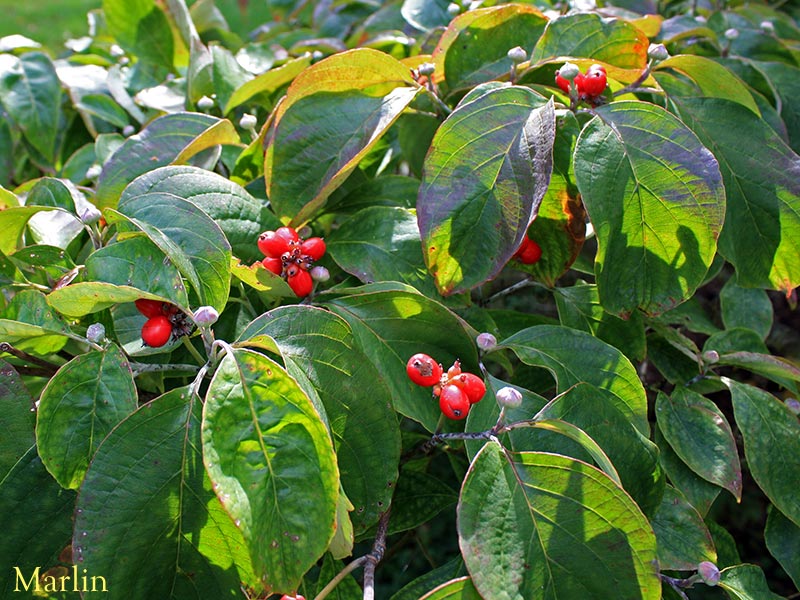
457 391
287 255
589 86
164 321
529 252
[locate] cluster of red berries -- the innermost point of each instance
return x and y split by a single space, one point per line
457 391
529 252
589 85
287 255
164 321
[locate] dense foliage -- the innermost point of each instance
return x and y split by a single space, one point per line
594 214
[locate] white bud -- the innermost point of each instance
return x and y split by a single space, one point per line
319 273
248 121
658 52
91 214
205 103
569 71
708 572
96 333
205 316
767 27
426 69
486 341
508 397
731 33
517 55
128 130
116 51
700 19
453 9
93 172
711 357
793 405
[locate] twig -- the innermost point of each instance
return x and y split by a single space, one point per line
138 368
528 281
47 369
374 557
639 81
349 568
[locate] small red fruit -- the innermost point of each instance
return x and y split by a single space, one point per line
529 252
562 82
273 264
149 308
313 247
423 370
156 331
454 403
594 82
288 597
472 385
300 282
271 244
287 233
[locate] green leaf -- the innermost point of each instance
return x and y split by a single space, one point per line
771 435
772 367
683 539
17 418
149 471
381 243
573 357
36 517
435 577
137 262
708 78
189 237
761 236
484 178
30 324
392 325
142 28
268 82
273 466
240 216
560 225
425 14
457 589
510 503
334 113
82 403
783 542
417 499
474 48
30 92
157 145
13 221
319 345
612 41
228 74
103 107
701 436
579 307
746 582
655 198
79 299
700 493
346 589
220 133
746 307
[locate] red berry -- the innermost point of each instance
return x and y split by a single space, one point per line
313 247
156 331
594 82
455 370
562 83
300 281
529 252
423 370
579 82
287 233
271 244
273 264
288 597
471 385
149 308
453 402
